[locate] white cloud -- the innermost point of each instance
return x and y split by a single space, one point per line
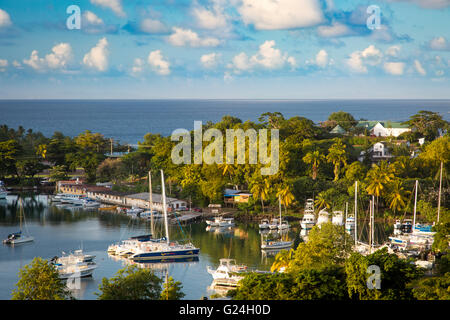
148 25
240 62
97 57
59 58
213 17
419 67
138 66
210 60
186 37
335 30
267 57
17 64
322 58
5 20
3 65
91 18
281 14
114 5
158 63
358 59
439 43
393 51
394 68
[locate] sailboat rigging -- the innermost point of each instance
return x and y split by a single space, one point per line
17 237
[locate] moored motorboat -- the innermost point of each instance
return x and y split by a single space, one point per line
323 217
338 218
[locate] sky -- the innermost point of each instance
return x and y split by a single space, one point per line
224 49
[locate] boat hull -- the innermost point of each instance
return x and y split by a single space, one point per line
175 254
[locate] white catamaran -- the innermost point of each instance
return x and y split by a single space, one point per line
154 250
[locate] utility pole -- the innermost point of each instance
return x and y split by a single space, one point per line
440 188
111 140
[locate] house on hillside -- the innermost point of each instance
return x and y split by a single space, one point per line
384 128
236 196
338 130
378 152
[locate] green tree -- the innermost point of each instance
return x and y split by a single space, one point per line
309 284
337 156
314 158
344 119
395 275
427 123
131 283
39 280
397 195
58 172
328 245
172 290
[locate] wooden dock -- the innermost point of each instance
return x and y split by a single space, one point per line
186 218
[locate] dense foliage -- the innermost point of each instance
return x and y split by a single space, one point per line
39 280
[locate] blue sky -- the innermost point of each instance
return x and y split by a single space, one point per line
250 49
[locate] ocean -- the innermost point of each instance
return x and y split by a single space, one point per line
127 121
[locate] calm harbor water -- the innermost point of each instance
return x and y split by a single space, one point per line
56 230
128 121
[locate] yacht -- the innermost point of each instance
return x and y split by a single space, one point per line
229 271
283 225
423 229
338 218
74 265
350 224
309 219
3 191
274 245
151 250
18 237
324 217
274 224
214 222
264 224
226 222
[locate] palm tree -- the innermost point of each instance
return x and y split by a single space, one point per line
397 195
378 178
285 195
282 260
336 156
322 201
314 158
260 189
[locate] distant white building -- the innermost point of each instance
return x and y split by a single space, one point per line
384 128
379 151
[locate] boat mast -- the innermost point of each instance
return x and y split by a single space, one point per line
356 211
151 200
370 225
373 223
20 214
164 206
415 205
440 188
279 205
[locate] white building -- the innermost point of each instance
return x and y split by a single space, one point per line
379 151
384 128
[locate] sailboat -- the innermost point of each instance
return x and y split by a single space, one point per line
151 250
3 191
17 237
274 245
